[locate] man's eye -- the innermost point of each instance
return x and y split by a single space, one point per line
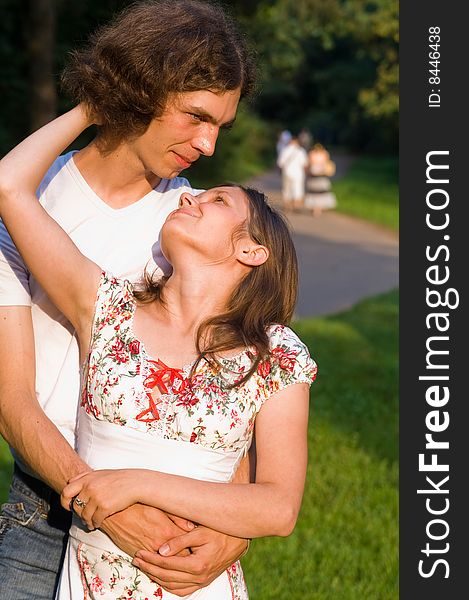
219 199
195 117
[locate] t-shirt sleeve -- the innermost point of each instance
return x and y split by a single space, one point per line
14 276
290 361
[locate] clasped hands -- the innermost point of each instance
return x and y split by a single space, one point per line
170 550
95 495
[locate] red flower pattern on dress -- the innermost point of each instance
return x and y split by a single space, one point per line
130 389
110 575
97 584
286 359
263 368
118 350
187 398
134 347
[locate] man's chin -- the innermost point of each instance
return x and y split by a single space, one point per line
177 172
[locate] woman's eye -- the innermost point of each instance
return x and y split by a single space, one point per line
219 199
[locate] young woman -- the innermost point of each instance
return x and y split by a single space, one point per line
175 375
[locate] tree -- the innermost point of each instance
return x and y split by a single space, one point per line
330 65
40 56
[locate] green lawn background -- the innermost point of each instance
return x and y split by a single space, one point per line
369 190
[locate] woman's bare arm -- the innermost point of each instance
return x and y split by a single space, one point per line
69 278
269 506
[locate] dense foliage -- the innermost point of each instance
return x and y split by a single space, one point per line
328 65
331 65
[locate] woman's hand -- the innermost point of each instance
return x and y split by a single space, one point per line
99 494
88 117
45 247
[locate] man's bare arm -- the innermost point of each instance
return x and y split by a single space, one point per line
26 428
42 447
23 423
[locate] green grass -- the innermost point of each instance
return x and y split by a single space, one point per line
6 467
369 190
345 544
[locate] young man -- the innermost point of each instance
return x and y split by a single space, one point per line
161 79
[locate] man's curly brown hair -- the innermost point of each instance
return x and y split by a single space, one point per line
150 50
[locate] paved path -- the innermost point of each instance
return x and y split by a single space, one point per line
342 259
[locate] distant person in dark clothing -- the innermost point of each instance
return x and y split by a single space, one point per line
306 139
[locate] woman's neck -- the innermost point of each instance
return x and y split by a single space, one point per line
191 298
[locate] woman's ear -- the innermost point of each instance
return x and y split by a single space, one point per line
251 254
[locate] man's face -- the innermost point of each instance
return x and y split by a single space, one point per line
188 128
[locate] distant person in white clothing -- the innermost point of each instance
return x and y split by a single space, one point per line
293 161
283 141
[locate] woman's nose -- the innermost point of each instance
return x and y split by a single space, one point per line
187 199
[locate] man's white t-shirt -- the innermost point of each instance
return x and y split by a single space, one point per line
122 241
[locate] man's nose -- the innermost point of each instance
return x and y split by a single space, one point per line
206 139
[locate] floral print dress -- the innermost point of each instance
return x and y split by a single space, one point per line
138 412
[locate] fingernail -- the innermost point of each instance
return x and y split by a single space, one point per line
190 525
164 550
136 562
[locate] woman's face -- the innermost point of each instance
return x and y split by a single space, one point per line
206 223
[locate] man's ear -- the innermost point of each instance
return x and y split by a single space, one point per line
252 254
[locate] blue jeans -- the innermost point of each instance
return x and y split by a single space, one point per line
33 538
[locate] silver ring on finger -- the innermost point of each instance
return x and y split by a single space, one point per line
79 502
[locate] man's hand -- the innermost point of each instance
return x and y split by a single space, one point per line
211 554
144 527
